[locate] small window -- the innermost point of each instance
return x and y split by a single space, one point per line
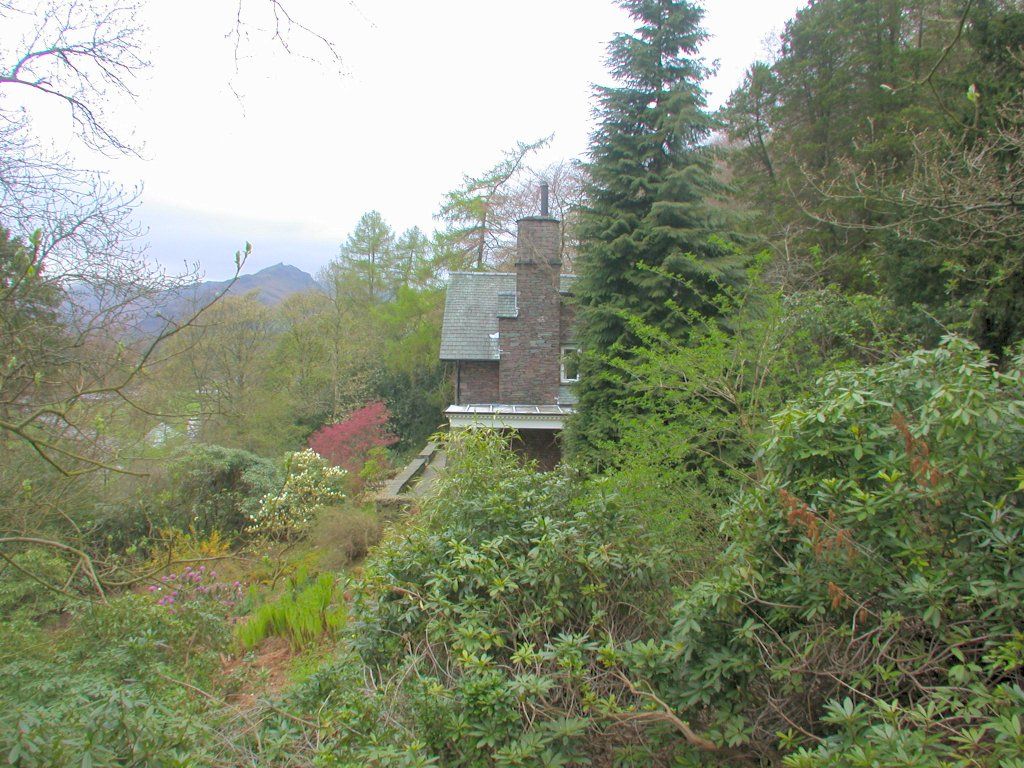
570 364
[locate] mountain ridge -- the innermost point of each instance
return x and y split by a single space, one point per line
149 315
274 284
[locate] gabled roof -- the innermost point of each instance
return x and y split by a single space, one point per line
472 306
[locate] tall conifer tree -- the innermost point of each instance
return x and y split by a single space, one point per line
651 244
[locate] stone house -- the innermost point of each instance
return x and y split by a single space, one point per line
510 337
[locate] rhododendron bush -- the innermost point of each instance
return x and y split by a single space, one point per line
311 483
348 443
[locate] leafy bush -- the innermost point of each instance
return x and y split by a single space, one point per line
310 484
106 691
214 488
24 597
496 615
303 614
205 489
869 611
699 407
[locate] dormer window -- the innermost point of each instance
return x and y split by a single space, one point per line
570 359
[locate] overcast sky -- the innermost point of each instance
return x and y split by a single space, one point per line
288 152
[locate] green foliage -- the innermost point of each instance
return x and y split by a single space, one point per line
219 370
212 488
372 264
868 150
698 409
650 240
869 609
201 490
412 381
307 611
103 692
310 484
27 598
493 612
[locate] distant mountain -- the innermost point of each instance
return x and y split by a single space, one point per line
272 285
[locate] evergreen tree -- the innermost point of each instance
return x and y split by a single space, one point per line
479 232
367 258
880 150
649 235
414 259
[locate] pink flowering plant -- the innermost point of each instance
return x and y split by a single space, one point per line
197 588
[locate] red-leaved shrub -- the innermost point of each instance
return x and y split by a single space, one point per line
348 443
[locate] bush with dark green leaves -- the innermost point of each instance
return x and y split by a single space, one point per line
202 489
485 627
23 591
112 689
215 488
870 610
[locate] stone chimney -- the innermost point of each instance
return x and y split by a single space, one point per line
530 341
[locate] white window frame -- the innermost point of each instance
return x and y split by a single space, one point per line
561 362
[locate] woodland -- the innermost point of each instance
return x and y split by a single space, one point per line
788 528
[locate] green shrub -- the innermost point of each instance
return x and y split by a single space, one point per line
203 489
698 407
871 608
216 488
305 613
484 627
106 692
24 597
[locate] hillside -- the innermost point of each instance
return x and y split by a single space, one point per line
273 284
148 315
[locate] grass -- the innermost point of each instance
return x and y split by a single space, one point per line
305 612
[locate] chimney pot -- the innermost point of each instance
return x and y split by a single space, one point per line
543 198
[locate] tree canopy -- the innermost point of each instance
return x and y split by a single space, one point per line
651 239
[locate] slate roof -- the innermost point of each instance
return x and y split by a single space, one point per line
472 306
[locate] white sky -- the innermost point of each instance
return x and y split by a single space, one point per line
428 91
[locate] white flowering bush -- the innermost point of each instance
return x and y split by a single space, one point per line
310 484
